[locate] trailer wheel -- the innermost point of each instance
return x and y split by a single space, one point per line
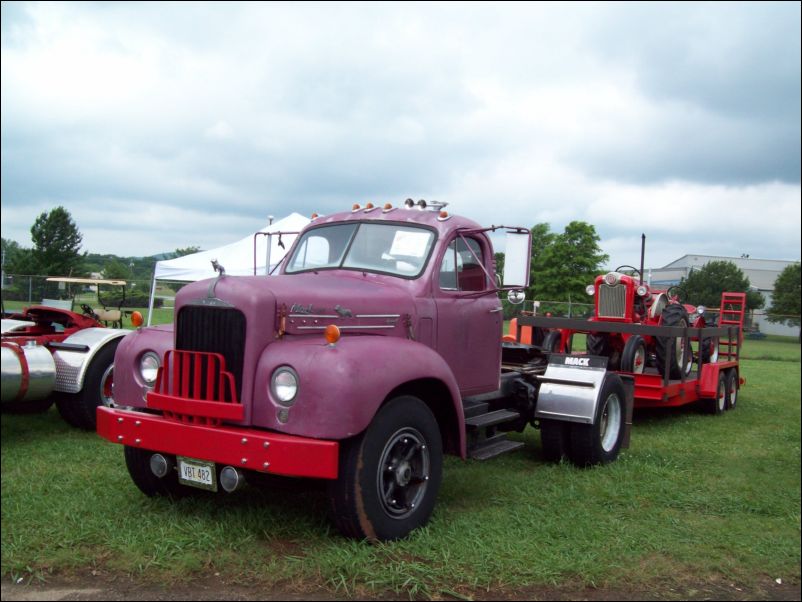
732 389
677 349
717 404
138 463
390 474
633 359
551 342
555 439
709 349
600 442
79 409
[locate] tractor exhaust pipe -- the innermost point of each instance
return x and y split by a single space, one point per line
642 255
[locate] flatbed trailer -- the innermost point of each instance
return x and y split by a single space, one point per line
714 384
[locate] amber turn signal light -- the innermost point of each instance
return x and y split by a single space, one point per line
136 319
332 334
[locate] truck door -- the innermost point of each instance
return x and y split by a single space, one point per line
469 323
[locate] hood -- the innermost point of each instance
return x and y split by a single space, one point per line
306 303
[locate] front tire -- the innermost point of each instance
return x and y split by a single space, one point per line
138 463
390 474
633 359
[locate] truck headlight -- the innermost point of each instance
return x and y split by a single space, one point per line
590 289
284 385
149 367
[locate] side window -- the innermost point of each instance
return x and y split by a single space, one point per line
461 269
314 252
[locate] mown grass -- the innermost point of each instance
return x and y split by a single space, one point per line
695 498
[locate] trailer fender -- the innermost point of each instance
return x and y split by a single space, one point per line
75 354
342 386
570 390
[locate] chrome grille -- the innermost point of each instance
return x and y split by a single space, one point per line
612 301
216 330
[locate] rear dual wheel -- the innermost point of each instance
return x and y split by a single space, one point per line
590 444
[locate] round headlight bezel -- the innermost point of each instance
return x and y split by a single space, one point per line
149 373
285 385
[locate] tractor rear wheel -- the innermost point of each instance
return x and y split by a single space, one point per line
601 344
676 349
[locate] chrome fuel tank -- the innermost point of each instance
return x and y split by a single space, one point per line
28 372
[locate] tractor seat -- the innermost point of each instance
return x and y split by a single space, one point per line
108 315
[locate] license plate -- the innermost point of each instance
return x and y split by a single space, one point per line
197 473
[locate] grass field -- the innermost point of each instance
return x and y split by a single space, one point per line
696 499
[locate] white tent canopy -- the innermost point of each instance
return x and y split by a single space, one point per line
237 258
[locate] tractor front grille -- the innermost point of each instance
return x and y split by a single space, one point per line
215 330
612 301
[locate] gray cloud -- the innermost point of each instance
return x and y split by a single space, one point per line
213 116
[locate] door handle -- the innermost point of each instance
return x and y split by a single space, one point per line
496 310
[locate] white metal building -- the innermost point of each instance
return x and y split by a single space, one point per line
761 274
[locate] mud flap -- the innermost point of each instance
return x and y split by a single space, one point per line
571 387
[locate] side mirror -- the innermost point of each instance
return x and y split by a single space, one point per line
517 255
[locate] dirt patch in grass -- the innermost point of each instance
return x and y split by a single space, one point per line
109 587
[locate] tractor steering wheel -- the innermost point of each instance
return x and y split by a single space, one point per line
631 267
676 293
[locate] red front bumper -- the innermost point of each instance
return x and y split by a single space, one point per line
241 447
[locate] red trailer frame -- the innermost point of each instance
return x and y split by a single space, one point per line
715 383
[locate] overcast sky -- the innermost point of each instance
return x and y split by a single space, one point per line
160 126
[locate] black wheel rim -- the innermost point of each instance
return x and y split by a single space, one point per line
403 474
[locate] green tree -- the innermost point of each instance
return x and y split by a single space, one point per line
705 285
542 239
569 263
785 301
57 244
17 260
499 259
185 251
117 270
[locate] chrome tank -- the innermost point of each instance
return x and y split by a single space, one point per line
28 372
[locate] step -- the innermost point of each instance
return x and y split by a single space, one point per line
494 449
474 408
491 419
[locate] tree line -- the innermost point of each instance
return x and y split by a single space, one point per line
563 264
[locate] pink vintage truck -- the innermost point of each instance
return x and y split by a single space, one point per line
374 352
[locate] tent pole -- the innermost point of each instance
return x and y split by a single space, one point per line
152 296
269 247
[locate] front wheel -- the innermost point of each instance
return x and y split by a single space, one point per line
633 359
390 474
138 463
600 442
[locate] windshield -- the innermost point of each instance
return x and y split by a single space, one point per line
375 247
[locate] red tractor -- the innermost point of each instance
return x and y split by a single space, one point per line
622 296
